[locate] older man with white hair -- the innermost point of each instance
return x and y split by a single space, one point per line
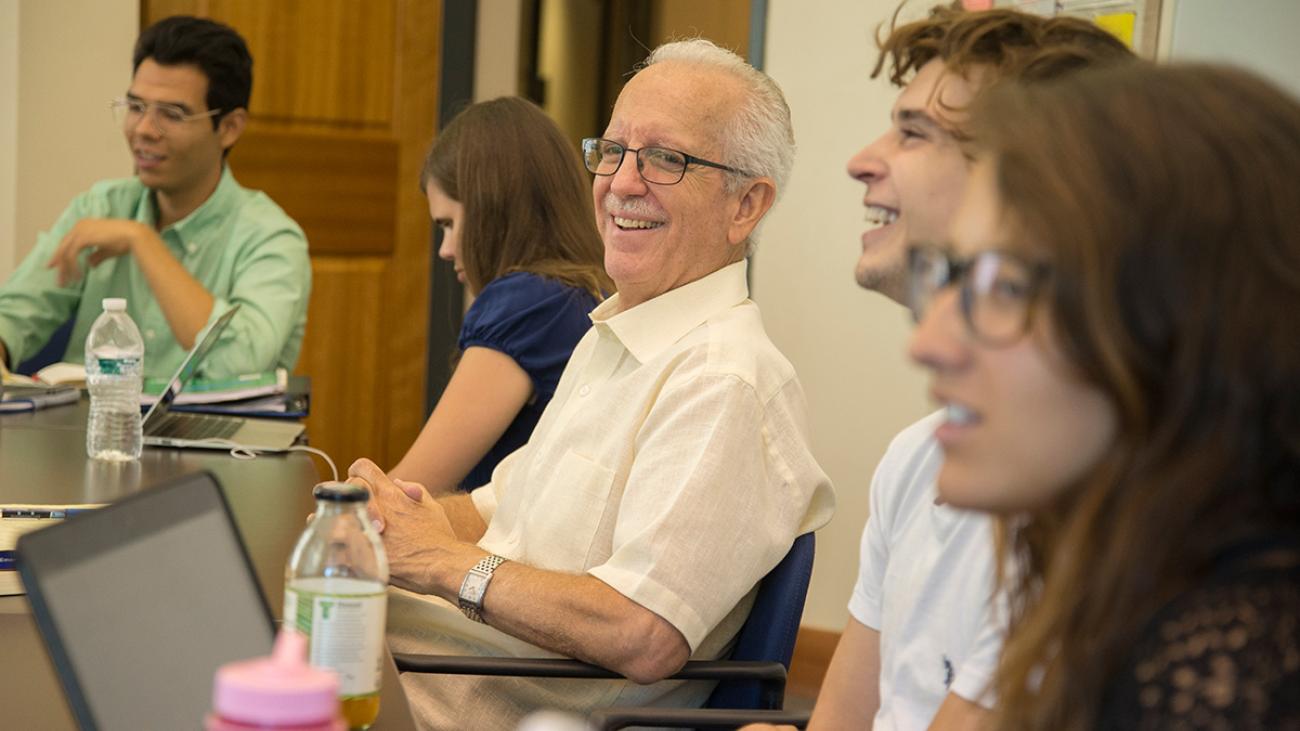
671 471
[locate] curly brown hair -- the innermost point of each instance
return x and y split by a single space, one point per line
1002 44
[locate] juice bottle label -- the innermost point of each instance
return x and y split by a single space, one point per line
344 619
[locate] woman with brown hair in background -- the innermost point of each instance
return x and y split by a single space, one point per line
1109 333
514 205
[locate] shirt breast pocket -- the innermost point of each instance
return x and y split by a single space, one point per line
563 518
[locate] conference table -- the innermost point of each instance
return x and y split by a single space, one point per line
43 460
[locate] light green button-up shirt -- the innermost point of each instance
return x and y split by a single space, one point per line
239 244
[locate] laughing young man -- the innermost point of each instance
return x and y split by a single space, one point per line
181 240
924 634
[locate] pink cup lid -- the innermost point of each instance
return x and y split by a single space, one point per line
278 690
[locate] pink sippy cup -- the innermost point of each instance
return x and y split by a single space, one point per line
280 692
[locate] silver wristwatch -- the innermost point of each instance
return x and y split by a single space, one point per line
475 586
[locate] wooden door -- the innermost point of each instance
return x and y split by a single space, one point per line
344 104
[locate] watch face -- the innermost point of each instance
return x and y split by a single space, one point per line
473 589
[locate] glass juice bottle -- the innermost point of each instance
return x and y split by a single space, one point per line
335 594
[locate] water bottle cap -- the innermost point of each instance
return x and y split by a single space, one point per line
341 492
114 304
280 690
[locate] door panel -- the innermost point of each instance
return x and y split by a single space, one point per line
344 105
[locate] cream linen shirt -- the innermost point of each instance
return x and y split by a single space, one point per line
673 464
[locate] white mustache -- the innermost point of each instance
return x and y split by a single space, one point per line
615 205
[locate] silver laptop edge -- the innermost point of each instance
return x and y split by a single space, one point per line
260 434
188 367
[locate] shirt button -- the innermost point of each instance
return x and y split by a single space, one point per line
149 333
191 247
584 390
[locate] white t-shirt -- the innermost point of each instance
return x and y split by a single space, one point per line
925 583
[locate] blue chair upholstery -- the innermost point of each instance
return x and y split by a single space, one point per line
50 353
753 677
772 626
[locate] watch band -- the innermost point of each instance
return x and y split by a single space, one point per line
471 602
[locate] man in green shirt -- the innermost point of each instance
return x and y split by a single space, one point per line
181 241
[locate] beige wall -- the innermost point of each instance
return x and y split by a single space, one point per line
496 49
73 56
847 344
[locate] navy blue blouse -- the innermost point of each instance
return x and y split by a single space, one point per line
537 322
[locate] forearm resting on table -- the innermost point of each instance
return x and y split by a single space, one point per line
574 615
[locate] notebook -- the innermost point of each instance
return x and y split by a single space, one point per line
164 427
23 397
141 601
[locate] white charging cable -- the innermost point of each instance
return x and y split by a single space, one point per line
253 451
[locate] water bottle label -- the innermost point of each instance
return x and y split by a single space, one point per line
344 620
117 366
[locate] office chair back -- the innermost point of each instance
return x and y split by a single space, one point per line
769 632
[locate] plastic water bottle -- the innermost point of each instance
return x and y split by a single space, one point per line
277 692
114 368
336 594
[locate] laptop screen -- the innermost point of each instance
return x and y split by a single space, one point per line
189 366
140 602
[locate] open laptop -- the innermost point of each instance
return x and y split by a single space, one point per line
140 602
166 428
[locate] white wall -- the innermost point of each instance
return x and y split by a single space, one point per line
847 344
61 62
1259 34
8 130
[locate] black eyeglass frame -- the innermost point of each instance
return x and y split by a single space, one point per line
591 143
955 272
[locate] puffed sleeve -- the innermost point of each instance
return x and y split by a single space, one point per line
534 320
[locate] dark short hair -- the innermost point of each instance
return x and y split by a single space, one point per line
216 49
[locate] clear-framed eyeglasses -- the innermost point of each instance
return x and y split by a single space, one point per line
658 165
165 117
997 289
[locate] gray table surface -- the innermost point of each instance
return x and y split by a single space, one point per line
43 460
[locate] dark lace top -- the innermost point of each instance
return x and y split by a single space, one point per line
1224 655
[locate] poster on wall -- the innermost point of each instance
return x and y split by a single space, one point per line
1136 22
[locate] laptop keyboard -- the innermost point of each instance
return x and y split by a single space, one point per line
196 426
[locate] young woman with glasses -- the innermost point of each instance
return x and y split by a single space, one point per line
1109 330
514 206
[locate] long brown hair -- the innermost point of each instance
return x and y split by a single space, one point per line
1167 201
526 196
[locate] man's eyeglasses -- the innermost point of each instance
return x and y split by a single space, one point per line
997 294
658 165
166 117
